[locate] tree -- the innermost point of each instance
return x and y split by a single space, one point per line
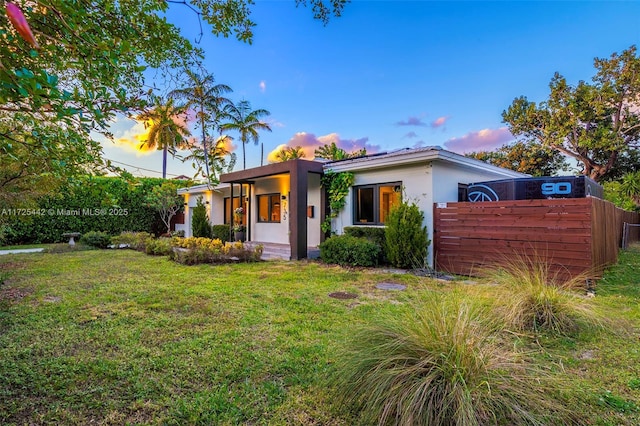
407 242
247 123
89 67
165 129
206 98
333 153
217 157
200 226
289 153
630 187
165 199
525 157
594 123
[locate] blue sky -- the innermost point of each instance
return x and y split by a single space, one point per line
394 74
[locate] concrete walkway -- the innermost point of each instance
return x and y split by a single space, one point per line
16 251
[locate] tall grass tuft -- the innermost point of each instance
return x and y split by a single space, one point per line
537 299
439 363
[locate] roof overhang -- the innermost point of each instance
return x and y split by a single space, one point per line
413 156
250 175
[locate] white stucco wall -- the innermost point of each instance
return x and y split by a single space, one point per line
271 232
314 199
424 183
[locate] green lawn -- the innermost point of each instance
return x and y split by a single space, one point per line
118 337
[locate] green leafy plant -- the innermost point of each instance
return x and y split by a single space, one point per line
439 362
369 233
349 251
166 201
132 240
200 222
406 242
96 239
159 246
338 185
220 232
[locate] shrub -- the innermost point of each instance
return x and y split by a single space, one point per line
200 222
134 240
375 235
196 250
536 299
439 363
406 241
159 246
220 232
96 239
179 233
349 251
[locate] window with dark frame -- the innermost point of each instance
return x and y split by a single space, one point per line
269 208
373 203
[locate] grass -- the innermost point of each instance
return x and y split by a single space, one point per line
118 337
441 362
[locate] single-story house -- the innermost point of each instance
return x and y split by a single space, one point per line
285 204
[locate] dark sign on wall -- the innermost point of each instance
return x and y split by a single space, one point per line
534 189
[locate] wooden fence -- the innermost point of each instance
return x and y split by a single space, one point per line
574 236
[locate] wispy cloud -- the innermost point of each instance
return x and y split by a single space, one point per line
411 121
410 135
482 140
263 86
310 142
439 122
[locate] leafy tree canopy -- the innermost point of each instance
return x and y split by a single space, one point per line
530 158
89 67
595 123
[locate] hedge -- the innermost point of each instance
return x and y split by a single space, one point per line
346 250
106 204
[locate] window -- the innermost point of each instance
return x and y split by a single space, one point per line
236 204
374 202
269 208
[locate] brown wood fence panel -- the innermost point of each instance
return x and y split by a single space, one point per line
574 236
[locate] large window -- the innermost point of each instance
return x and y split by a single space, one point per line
374 202
236 204
269 208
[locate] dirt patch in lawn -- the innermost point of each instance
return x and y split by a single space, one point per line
13 295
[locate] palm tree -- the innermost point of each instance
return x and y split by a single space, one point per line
333 153
631 187
216 157
289 153
206 98
246 122
165 131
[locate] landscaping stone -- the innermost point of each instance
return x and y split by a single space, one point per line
390 286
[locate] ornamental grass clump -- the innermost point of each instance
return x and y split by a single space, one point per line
440 362
537 299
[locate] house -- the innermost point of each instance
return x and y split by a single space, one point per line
286 205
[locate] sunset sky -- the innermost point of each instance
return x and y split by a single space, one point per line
394 74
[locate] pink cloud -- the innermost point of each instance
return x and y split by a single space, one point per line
482 140
438 122
309 143
411 121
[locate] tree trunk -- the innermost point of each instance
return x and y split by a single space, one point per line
164 162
